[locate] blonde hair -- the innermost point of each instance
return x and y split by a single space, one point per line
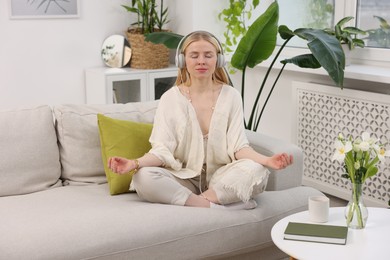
219 75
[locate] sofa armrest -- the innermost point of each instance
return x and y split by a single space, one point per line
281 179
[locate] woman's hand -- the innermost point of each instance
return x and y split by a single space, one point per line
276 162
121 165
279 161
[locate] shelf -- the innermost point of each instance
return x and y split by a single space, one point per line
126 71
353 71
122 85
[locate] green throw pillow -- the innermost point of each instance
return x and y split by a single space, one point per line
124 139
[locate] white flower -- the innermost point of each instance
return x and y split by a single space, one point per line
382 153
341 150
364 146
366 143
367 138
365 151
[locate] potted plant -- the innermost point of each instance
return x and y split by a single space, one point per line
150 18
347 36
259 43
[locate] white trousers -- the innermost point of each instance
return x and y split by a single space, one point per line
236 181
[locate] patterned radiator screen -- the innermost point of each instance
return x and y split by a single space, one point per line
322 112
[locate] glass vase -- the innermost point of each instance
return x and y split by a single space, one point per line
356 212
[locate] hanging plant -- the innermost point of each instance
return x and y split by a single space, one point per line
236 16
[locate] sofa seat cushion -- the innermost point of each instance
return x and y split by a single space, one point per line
85 222
29 156
78 135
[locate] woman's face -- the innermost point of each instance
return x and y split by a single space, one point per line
201 59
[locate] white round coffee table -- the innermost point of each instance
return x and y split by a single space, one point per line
368 243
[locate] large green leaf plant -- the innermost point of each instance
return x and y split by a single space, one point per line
259 43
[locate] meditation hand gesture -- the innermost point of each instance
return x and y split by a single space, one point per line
121 165
279 161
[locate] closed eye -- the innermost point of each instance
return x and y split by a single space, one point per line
195 55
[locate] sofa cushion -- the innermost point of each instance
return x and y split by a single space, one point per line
29 157
78 136
122 138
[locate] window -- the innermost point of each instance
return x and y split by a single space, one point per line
374 16
317 14
370 15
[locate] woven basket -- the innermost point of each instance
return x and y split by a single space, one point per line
146 55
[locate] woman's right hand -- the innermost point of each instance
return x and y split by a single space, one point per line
121 165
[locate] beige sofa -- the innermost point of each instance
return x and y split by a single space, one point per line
55 202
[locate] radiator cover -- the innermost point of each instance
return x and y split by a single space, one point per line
322 112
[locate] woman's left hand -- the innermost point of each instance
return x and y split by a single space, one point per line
280 161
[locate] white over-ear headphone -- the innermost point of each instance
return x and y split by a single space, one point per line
180 59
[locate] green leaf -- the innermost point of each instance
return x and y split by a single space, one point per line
285 33
255 3
329 31
371 171
169 39
338 32
304 61
366 158
373 162
327 50
349 163
358 42
344 20
354 30
259 41
130 9
238 8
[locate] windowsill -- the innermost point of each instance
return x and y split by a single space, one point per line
353 71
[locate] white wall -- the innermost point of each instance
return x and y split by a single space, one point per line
43 61
191 15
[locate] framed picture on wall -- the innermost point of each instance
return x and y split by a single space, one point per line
42 9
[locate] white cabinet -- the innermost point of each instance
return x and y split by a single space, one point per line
123 85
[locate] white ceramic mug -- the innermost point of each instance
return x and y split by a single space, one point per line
319 209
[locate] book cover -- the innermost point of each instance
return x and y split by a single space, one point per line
316 233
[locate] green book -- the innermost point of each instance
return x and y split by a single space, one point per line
316 233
